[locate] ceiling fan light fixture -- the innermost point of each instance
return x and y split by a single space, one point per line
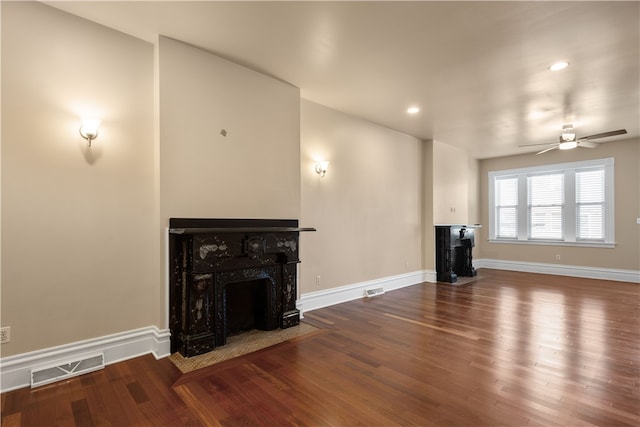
567 134
568 145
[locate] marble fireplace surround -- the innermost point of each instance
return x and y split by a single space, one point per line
211 258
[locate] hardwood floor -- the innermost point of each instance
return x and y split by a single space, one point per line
511 349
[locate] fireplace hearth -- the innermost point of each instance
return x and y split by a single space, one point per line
230 275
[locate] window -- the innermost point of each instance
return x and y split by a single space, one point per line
546 206
590 204
570 203
506 208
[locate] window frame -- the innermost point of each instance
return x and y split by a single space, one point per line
569 215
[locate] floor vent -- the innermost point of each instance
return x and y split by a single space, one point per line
374 292
62 370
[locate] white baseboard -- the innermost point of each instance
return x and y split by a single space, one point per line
315 300
15 370
560 270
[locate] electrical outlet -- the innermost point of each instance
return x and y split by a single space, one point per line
5 334
317 280
558 257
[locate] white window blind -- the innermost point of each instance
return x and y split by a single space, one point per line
546 203
569 203
506 207
590 204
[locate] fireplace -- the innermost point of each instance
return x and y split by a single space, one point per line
230 275
454 246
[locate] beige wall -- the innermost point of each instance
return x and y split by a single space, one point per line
473 190
455 185
473 199
367 209
254 171
450 184
625 255
428 230
79 241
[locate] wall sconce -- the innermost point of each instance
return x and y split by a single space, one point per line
321 168
89 129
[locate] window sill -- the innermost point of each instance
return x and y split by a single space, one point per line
554 243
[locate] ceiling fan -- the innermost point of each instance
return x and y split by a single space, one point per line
568 139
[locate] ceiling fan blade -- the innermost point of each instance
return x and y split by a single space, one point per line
603 135
587 144
533 145
547 149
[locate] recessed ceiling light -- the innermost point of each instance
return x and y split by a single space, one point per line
413 110
559 66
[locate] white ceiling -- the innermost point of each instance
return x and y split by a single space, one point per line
477 70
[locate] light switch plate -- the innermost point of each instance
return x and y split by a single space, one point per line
637 220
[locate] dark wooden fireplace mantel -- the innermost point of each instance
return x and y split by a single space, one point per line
232 225
210 259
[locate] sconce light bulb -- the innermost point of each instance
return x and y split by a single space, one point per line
321 168
89 129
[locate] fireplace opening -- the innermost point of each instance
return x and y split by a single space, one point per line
247 306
